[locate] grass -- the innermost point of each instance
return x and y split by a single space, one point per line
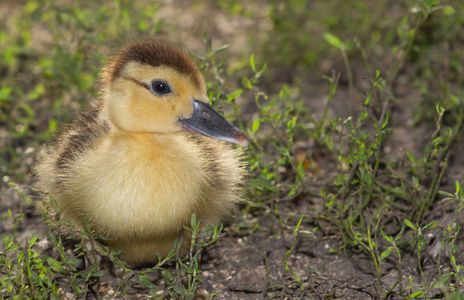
399 65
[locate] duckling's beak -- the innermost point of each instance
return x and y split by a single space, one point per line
207 121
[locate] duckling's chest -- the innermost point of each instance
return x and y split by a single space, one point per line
142 184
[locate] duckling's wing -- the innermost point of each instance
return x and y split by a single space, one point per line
85 134
87 131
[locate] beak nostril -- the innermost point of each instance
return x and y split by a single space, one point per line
207 114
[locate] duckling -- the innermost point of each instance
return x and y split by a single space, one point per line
147 156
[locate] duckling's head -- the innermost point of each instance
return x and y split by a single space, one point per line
152 87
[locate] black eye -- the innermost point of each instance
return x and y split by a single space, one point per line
161 88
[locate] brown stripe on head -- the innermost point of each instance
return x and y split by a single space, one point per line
155 53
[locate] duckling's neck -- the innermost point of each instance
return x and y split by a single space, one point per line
151 146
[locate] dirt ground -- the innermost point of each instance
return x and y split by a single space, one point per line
250 266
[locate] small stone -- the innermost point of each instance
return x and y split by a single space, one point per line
201 294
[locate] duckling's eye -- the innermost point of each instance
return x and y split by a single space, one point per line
161 88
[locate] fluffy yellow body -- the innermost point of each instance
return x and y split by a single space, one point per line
128 169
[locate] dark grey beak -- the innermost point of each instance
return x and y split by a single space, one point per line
209 122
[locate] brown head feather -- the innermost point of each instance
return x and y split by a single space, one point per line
155 53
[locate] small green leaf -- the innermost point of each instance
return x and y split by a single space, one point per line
409 224
97 274
417 294
307 233
386 253
5 92
444 278
255 125
385 236
148 284
235 94
55 265
36 278
33 239
71 261
400 234
55 204
449 10
261 71
368 99
364 115
431 225
386 121
453 259
187 269
143 25
220 49
246 83
252 62
179 289
447 199
333 40
440 109
446 194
